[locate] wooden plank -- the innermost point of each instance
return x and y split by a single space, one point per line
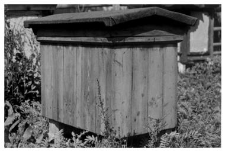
44 51
127 93
155 84
84 88
101 40
57 82
92 74
60 81
116 103
55 85
79 107
110 90
48 89
122 65
170 86
101 60
74 81
68 88
140 90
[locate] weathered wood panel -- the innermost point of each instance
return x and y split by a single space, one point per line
47 77
43 77
78 66
155 82
170 86
74 83
134 83
68 77
121 105
100 59
91 89
57 82
139 90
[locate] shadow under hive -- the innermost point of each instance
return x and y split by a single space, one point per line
129 56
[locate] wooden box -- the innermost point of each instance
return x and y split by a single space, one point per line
127 59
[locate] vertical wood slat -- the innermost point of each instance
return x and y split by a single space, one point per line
57 83
101 60
170 86
76 74
95 70
47 86
155 83
84 87
122 79
126 126
91 89
50 80
43 77
140 90
110 96
78 110
74 81
68 92
116 103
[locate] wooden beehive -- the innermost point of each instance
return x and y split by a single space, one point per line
128 59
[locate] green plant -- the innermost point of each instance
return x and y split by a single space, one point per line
22 74
21 131
188 139
199 109
199 103
23 123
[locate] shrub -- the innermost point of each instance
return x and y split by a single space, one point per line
22 89
199 105
22 74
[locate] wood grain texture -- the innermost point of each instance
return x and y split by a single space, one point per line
121 105
155 82
91 76
74 83
47 77
57 83
170 86
78 109
135 83
43 77
103 78
140 90
68 84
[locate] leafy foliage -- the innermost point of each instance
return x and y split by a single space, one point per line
22 74
199 102
199 107
23 122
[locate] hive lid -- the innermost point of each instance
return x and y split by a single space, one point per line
110 18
